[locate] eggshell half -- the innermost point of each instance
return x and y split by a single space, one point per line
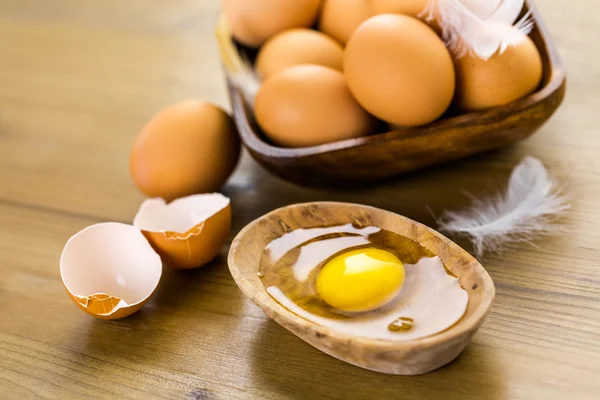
188 148
110 270
188 232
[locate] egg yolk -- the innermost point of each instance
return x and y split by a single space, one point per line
361 280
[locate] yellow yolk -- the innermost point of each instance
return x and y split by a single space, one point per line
361 280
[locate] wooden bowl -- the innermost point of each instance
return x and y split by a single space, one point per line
393 357
384 155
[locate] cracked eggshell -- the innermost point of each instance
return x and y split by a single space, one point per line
188 232
109 270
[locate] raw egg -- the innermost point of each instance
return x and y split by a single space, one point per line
295 47
361 280
499 80
309 105
399 70
253 22
340 18
110 270
188 232
188 148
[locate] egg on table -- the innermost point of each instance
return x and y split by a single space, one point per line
355 281
188 232
297 47
188 148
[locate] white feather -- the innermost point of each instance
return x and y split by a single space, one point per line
482 8
527 209
479 27
239 70
507 11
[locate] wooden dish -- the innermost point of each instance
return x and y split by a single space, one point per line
384 155
393 357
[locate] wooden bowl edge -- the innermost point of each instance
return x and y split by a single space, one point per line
556 83
263 301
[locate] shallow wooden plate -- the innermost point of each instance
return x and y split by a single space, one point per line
384 155
392 357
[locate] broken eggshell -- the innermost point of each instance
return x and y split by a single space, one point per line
109 270
188 232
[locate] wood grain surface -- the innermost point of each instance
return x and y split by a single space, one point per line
78 80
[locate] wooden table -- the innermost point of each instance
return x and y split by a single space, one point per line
78 79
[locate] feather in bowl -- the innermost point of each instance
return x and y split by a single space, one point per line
402 150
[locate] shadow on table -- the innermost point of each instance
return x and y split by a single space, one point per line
189 309
421 196
167 326
296 370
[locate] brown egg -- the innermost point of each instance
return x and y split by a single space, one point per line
188 148
399 70
253 22
309 105
501 79
408 7
298 46
340 18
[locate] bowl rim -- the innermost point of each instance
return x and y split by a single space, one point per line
557 78
263 300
